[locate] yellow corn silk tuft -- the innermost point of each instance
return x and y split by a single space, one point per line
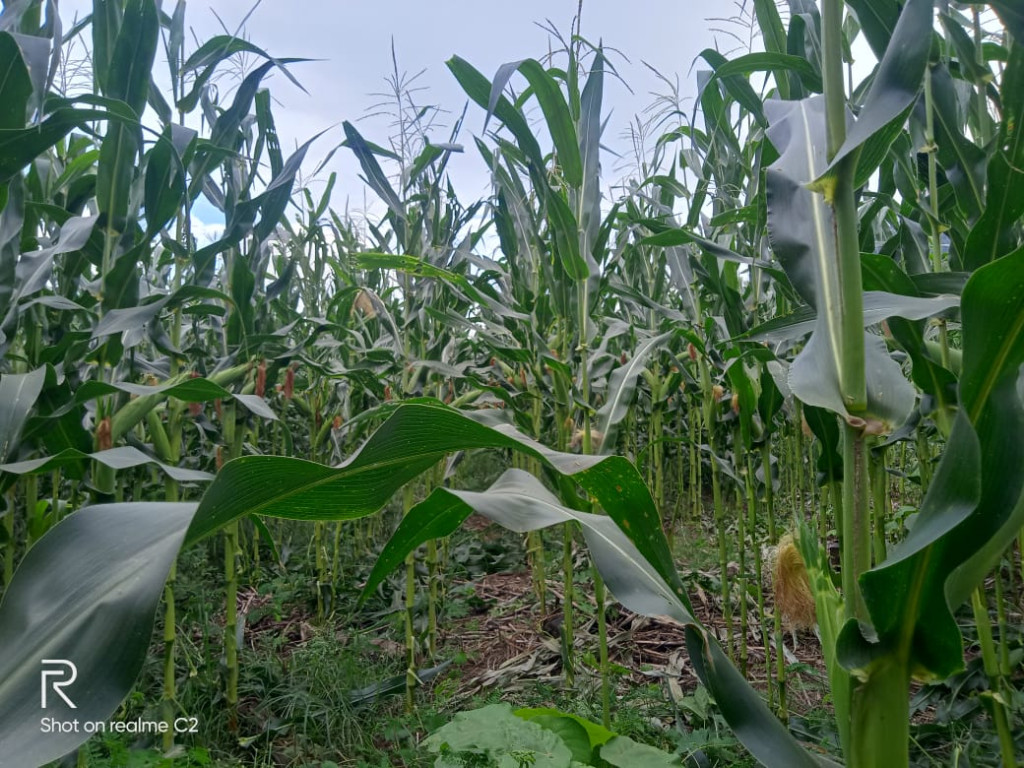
596 439
791 586
364 304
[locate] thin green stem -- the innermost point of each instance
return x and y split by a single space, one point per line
990 661
856 543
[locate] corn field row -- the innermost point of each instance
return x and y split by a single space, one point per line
798 325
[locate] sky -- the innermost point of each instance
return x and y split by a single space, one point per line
351 41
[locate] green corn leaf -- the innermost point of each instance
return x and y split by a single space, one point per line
588 196
898 79
479 90
20 147
106 22
671 236
123 457
781 64
420 268
556 116
165 185
878 19
131 60
95 611
802 231
769 21
977 497
15 84
735 85
176 40
215 51
114 175
622 387
963 161
18 393
567 239
994 234
372 173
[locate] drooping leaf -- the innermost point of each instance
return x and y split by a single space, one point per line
216 50
929 374
824 426
18 393
372 173
146 397
879 305
622 386
20 147
123 457
519 502
95 611
413 439
802 231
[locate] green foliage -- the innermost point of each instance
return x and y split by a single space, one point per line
810 245
496 736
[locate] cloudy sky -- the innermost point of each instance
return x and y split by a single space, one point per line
352 39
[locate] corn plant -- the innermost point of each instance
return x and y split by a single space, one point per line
841 254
